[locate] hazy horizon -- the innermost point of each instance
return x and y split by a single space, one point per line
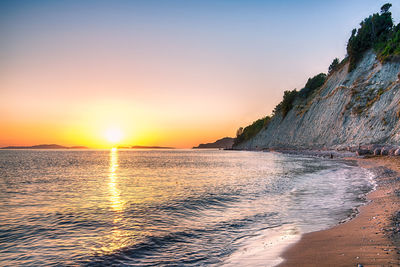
159 73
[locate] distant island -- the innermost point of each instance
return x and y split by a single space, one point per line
55 146
45 146
150 147
225 142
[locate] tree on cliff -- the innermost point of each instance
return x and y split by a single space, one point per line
251 130
385 8
287 102
312 84
334 65
239 131
374 32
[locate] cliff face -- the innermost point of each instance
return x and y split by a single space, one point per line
350 109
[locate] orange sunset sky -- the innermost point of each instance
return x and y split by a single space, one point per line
167 73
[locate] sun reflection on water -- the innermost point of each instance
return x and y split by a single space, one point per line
115 194
116 238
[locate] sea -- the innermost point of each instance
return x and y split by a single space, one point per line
168 207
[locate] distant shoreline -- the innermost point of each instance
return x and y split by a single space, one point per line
55 146
45 146
148 147
223 143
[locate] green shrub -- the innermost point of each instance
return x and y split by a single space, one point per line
391 47
334 66
287 103
244 134
312 83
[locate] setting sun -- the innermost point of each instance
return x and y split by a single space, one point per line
172 132
114 135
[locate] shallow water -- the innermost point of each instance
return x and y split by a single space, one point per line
166 207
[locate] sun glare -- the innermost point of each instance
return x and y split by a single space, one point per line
114 135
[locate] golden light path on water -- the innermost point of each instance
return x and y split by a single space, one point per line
115 240
115 194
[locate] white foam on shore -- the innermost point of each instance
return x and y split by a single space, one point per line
265 248
372 179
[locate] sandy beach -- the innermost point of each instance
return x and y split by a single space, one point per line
370 239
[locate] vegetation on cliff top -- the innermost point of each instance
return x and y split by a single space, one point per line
376 32
244 134
312 84
334 66
287 103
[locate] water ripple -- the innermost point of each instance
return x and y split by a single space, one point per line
168 208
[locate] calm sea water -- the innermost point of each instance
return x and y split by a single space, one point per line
166 207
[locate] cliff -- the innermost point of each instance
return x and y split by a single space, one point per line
349 109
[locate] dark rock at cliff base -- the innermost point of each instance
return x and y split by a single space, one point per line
362 152
385 151
377 151
372 147
392 151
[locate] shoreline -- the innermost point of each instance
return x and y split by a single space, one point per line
369 239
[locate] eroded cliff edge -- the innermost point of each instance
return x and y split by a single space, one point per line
350 109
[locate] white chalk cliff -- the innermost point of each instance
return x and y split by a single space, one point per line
351 109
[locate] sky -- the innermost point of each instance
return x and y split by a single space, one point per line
167 73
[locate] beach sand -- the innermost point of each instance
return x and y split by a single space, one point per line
368 239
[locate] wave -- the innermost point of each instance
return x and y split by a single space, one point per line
208 245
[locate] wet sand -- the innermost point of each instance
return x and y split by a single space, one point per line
370 239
